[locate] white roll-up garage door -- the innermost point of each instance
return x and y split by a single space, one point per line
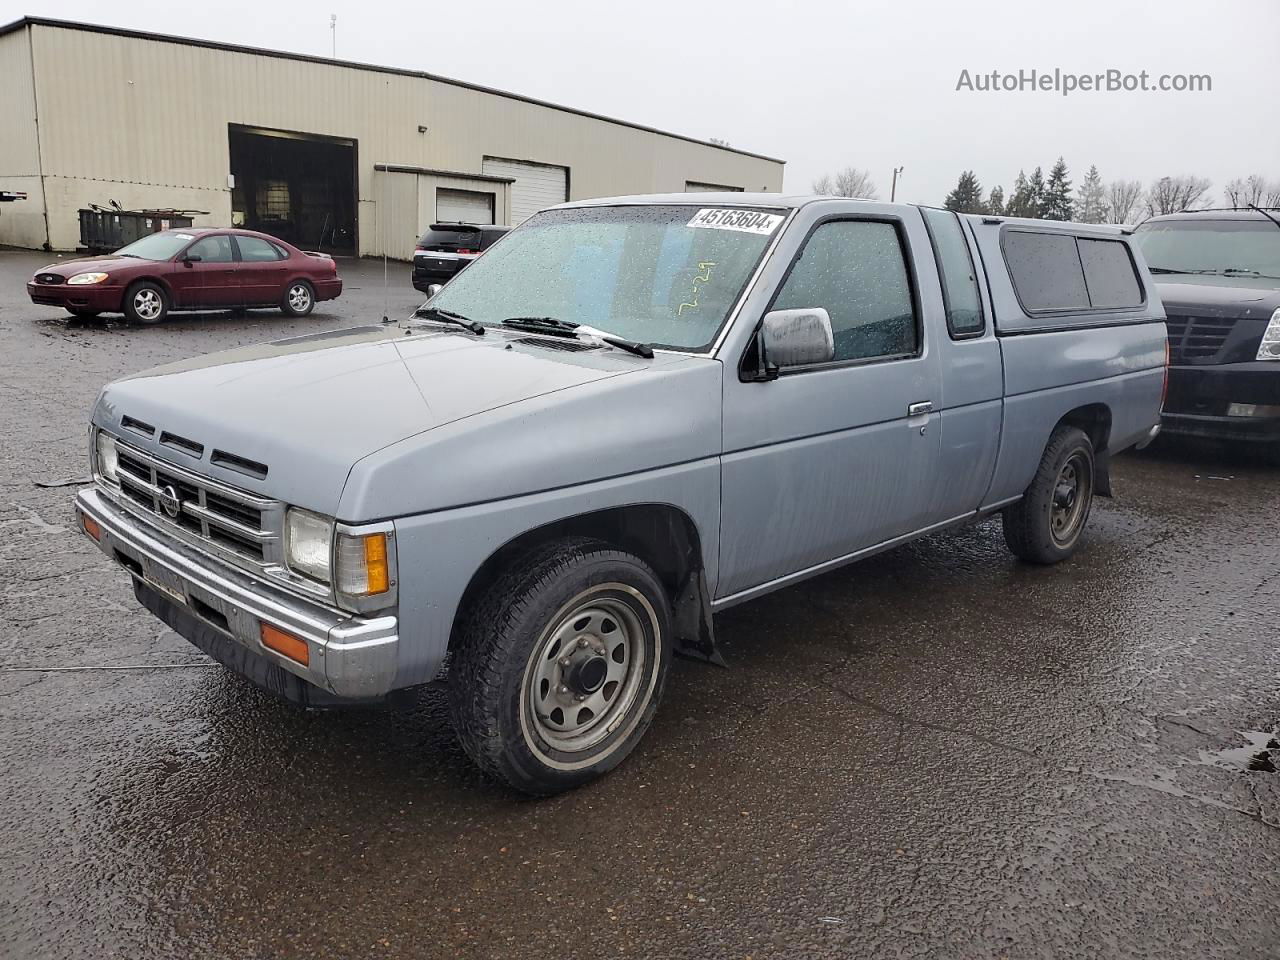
463 206
537 185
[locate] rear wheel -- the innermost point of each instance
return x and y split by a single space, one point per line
146 303
560 666
1046 525
299 299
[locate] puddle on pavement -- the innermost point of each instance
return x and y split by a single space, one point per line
1256 755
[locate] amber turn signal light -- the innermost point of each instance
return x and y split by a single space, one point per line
91 526
286 644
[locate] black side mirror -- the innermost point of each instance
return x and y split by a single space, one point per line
189 260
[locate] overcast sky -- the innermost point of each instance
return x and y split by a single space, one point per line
822 84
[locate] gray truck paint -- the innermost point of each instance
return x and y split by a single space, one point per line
468 443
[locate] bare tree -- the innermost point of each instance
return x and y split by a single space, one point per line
1255 189
1174 194
1124 197
849 182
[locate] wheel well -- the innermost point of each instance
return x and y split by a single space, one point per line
159 282
1095 420
663 536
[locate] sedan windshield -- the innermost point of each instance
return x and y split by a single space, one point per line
156 246
1239 248
663 275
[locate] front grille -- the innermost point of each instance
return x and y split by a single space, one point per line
1197 338
230 519
49 278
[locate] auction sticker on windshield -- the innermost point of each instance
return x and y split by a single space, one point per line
744 221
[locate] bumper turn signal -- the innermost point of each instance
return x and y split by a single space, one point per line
286 644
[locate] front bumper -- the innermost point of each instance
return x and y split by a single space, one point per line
352 658
1200 397
88 296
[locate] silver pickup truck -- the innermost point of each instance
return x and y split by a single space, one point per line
626 416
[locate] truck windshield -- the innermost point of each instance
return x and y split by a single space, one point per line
156 246
1240 248
665 275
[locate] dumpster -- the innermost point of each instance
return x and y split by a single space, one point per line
102 231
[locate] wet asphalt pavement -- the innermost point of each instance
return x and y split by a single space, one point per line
937 753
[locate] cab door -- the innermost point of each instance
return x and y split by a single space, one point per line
828 460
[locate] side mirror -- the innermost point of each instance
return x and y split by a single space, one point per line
433 289
793 338
188 261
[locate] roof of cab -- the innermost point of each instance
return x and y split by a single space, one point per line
1223 213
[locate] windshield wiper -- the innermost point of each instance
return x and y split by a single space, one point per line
563 328
448 316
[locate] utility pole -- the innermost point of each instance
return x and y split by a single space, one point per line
893 190
333 32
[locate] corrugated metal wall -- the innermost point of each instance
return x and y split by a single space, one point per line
154 131
21 222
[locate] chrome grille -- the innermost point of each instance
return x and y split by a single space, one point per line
232 520
1197 338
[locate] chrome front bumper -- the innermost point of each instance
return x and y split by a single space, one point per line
351 657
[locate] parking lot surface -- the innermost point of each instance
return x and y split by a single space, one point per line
938 752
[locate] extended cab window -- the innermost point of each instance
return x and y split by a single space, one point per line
857 271
959 277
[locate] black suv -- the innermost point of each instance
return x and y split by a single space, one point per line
1218 273
446 248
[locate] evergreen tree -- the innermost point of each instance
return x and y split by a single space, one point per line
1058 203
995 202
1036 194
1021 203
1092 207
967 196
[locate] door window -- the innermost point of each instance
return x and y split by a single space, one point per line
256 250
215 249
857 271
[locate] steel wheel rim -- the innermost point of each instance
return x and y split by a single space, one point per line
299 297
146 304
611 619
1071 494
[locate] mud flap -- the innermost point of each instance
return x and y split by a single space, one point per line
691 619
1102 473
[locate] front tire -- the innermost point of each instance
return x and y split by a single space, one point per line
299 299
146 303
559 666
1046 525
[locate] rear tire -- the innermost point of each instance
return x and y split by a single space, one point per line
299 299
146 303
1046 525
559 666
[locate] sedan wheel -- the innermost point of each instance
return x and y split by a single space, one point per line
146 303
299 299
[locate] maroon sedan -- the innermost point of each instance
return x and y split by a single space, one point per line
189 269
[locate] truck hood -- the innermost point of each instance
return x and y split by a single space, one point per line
1225 297
309 408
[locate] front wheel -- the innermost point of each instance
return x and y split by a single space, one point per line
299 299
1045 526
559 666
146 302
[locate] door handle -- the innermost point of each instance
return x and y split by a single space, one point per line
919 409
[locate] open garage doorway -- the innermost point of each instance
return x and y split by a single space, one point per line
299 187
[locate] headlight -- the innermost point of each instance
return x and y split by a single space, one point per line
108 459
308 543
364 565
83 278
1269 349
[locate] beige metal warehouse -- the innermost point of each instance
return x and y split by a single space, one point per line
347 157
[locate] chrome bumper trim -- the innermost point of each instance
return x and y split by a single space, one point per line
349 656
